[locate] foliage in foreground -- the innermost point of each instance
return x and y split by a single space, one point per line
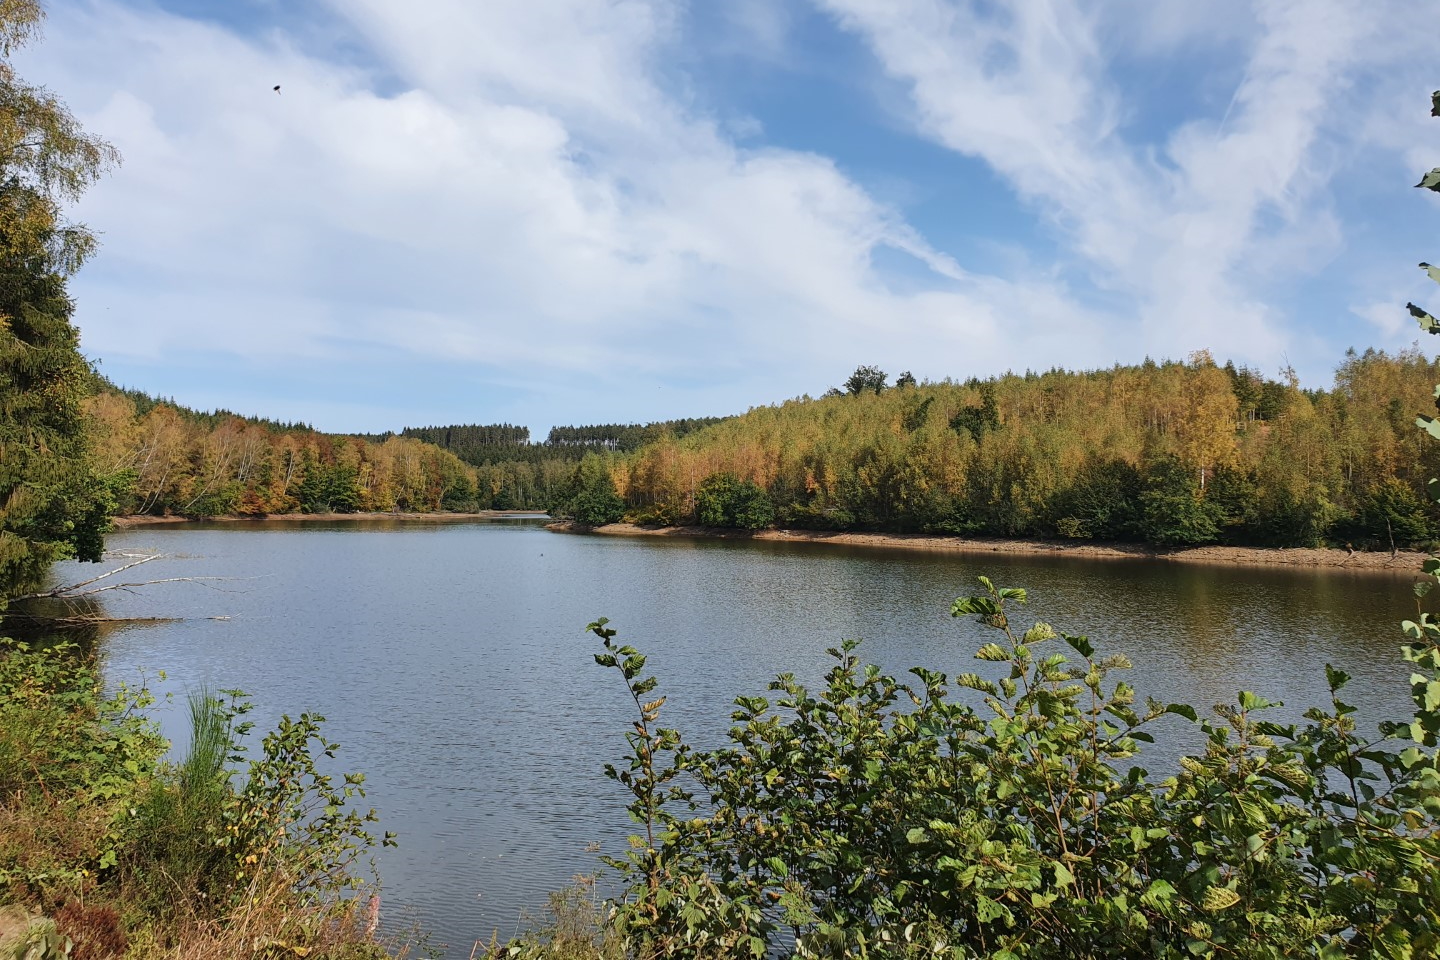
883 817
892 818
130 853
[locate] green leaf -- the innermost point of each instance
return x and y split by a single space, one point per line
1183 710
1063 876
1252 701
1432 271
1431 180
987 910
981 606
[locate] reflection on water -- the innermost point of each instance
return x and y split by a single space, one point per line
452 663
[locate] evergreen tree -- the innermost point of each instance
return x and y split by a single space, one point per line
52 505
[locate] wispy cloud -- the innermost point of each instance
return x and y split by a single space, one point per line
529 193
1191 232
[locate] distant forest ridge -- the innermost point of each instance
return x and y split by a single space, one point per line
481 445
145 402
166 458
1169 453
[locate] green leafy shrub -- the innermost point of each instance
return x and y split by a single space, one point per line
724 500
1174 511
591 498
1101 501
194 858
881 817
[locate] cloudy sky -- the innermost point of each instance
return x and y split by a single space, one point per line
575 211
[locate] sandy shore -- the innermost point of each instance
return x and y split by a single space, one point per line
1404 563
122 523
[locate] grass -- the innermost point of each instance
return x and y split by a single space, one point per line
134 857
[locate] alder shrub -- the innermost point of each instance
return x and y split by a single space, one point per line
886 817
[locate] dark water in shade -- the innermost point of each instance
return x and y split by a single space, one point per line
452 664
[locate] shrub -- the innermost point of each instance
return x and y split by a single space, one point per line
724 500
887 817
194 864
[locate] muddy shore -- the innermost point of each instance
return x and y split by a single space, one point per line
1403 563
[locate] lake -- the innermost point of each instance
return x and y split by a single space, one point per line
453 666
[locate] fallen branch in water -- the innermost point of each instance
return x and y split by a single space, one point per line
80 609
66 590
75 591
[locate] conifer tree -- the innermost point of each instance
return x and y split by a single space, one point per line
52 505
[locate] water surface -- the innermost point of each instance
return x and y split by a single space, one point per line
453 666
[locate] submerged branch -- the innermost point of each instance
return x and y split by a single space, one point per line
67 594
68 589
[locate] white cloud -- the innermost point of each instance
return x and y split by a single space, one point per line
532 201
1195 234
527 188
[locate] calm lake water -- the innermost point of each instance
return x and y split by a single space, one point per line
453 666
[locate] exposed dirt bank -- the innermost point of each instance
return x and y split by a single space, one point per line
1404 563
146 521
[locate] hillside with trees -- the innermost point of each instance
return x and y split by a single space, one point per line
160 457
163 458
1171 453
513 473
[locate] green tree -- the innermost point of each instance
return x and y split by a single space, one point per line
724 500
593 500
865 380
52 505
1102 502
978 419
1173 511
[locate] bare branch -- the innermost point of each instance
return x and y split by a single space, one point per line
66 590
75 591
137 583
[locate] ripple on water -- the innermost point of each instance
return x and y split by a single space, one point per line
453 666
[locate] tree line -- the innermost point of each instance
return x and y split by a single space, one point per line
1170 453
172 460
155 456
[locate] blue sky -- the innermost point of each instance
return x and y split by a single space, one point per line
579 211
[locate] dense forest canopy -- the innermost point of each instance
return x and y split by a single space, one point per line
164 458
1171 453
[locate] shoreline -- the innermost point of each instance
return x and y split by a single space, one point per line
144 520
1402 563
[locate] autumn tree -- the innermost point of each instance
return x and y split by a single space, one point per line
1205 428
52 503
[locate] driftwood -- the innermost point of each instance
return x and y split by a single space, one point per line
77 592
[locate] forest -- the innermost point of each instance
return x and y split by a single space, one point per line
1170 453
159 457
1000 814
